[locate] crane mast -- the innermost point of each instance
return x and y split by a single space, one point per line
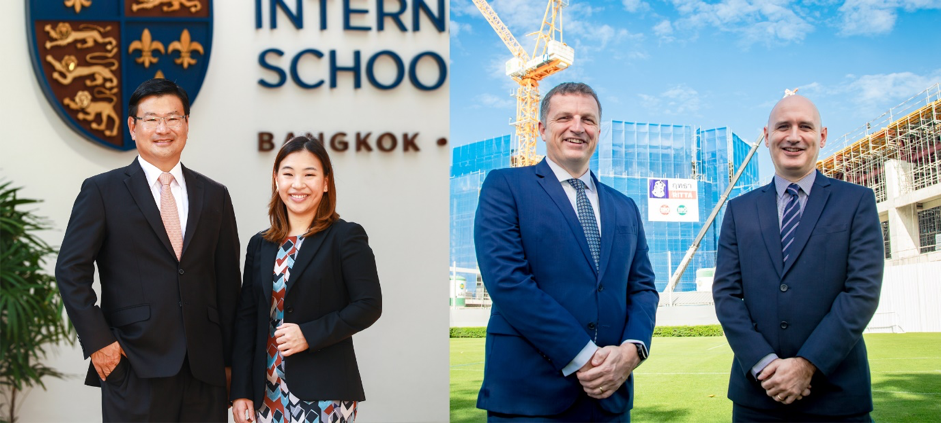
550 55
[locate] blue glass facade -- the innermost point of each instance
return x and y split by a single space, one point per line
469 166
627 154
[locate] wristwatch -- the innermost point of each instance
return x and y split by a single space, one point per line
641 352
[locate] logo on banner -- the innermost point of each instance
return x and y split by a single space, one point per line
90 55
672 200
658 189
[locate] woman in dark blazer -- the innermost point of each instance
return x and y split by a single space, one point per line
310 283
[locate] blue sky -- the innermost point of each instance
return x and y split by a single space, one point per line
706 63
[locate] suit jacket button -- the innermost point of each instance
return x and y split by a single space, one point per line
290 310
601 288
784 325
181 271
591 326
784 287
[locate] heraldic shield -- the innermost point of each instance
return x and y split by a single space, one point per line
90 55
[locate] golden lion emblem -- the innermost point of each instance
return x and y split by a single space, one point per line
63 35
67 70
90 109
168 5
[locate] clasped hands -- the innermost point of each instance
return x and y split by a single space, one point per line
787 380
290 340
608 369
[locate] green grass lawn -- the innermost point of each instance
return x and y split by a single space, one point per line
686 378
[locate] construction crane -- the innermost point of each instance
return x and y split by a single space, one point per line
549 56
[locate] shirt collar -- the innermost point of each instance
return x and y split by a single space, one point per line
564 175
806 183
153 173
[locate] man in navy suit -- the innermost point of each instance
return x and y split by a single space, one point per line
565 261
798 277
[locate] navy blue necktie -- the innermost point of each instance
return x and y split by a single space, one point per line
586 216
792 216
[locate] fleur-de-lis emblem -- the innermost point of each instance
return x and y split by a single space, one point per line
147 46
77 4
186 48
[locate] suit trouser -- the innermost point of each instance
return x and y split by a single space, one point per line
584 410
744 414
180 398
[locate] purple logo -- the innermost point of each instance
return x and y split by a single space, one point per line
659 189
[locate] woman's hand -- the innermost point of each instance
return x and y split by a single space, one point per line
243 411
290 339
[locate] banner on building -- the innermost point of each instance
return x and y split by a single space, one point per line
672 200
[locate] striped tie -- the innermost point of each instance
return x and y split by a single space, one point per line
792 212
586 216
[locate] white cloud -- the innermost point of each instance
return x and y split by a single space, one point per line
664 30
463 8
875 17
458 28
495 102
869 96
876 90
755 21
680 100
635 6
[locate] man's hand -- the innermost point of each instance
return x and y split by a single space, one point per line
106 359
290 339
787 380
609 368
243 411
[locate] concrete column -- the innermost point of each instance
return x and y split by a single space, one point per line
903 221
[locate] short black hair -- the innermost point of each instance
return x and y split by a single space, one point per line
566 88
157 87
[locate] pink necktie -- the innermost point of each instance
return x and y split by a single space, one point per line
169 214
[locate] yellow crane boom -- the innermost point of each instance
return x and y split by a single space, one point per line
550 55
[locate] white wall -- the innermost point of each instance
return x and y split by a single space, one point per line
400 198
910 297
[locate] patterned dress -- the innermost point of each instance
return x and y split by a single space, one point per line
280 405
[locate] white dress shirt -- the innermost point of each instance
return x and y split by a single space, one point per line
592 193
590 189
177 188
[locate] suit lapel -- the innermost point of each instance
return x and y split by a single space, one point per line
308 250
136 183
553 188
269 253
770 228
808 220
194 191
609 227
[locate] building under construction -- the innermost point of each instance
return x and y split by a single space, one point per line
897 155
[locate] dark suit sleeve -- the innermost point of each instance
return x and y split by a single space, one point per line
841 328
747 343
642 295
362 285
227 274
75 269
538 317
245 327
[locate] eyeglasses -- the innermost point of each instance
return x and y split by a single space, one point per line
152 122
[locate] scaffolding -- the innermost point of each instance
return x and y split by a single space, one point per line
909 132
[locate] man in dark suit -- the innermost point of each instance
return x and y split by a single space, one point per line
166 245
798 277
564 259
